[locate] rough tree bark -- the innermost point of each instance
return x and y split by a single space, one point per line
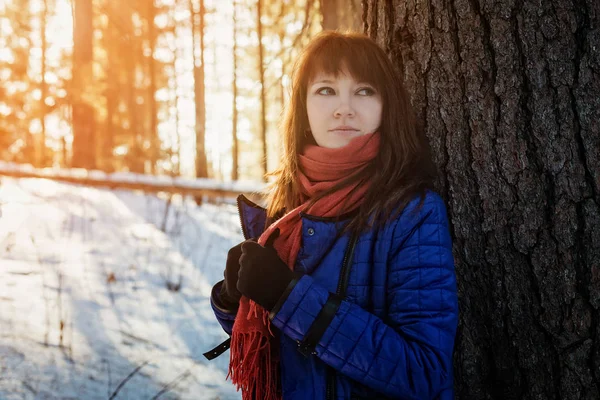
509 92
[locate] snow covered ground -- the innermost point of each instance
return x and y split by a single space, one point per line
85 312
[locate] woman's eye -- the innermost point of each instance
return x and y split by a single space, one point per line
368 91
323 89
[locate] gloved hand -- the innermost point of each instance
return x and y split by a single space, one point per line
230 295
263 276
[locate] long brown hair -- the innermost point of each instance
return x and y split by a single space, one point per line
403 166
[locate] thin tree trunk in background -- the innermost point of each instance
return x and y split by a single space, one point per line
135 147
329 14
176 166
131 51
263 102
177 135
215 168
109 127
281 37
83 112
284 62
153 134
64 151
43 85
111 100
510 97
234 147
341 15
198 37
353 15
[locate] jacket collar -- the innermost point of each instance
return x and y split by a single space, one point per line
254 217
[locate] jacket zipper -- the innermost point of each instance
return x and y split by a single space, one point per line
345 272
239 207
341 291
330 383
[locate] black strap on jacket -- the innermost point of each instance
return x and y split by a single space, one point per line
217 351
319 325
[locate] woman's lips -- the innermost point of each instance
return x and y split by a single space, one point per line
344 131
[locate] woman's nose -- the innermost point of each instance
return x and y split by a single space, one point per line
344 108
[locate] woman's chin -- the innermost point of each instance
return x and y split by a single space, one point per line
337 141
337 144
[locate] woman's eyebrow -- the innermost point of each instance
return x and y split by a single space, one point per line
330 81
323 81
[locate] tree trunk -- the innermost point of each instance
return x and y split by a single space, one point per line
135 155
176 148
153 132
263 100
84 145
329 14
341 14
198 38
234 147
43 85
280 81
111 97
176 169
352 15
509 93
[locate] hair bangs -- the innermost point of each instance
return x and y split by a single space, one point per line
336 56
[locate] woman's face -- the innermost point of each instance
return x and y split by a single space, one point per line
340 109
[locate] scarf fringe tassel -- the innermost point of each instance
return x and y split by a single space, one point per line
255 372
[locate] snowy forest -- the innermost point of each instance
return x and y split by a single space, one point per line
176 87
127 129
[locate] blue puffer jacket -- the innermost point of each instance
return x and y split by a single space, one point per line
371 317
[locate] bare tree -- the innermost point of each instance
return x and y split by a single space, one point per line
176 149
110 94
43 85
509 93
153 111
329 17
83 113
132 52
341 15
197 17
263 101
234 147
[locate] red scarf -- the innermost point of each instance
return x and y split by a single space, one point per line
254 361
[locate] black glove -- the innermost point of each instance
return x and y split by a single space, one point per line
263 276
229 296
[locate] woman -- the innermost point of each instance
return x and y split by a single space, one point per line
345 287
